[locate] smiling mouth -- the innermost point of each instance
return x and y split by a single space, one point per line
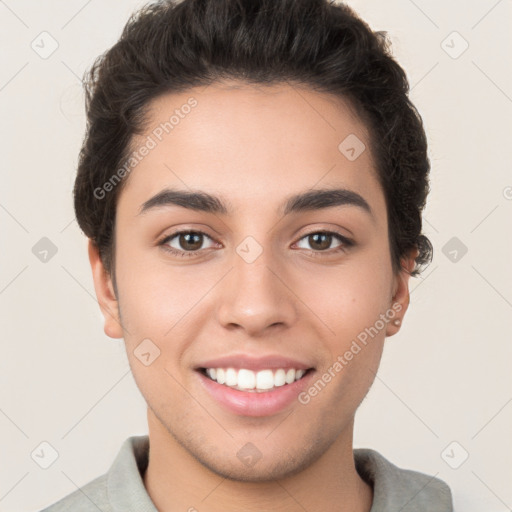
254 381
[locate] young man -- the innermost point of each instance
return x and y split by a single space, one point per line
251 182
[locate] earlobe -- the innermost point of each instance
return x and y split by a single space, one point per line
400 300
105 293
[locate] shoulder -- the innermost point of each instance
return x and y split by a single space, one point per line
121 488
396 488
89 498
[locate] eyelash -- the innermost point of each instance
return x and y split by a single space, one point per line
346 243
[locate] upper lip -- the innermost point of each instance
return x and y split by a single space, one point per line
270 362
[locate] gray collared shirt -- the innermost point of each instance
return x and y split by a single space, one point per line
122 489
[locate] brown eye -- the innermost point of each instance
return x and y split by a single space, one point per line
320 241
190 241
184 243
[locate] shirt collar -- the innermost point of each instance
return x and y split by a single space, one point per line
125 483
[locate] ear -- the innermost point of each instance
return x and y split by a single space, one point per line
400 301
105 294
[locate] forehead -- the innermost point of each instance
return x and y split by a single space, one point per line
256 143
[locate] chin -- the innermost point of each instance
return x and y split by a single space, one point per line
271 465
261 472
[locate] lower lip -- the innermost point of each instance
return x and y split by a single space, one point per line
246 403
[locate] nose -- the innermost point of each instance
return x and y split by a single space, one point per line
255 296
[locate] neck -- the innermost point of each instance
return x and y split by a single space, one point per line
177 481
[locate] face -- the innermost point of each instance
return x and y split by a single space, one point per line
253 288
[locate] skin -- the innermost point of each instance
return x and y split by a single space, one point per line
253 147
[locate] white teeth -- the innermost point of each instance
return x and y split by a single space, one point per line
263 380
246 379
290 376
280 378
221 376
231 378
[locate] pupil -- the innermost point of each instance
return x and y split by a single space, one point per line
189 243
326 239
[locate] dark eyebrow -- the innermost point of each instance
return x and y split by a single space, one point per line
315 199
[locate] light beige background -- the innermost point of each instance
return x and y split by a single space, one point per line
445 377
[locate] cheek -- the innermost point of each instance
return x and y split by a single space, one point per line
351 298
154 296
